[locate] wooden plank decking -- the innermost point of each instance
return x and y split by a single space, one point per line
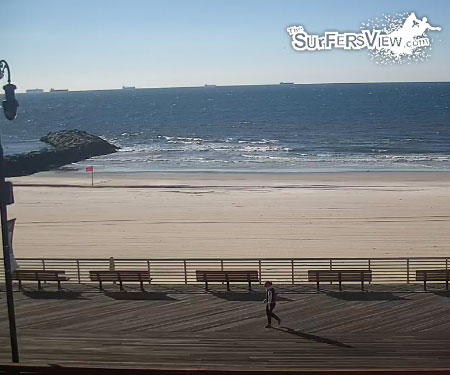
183 327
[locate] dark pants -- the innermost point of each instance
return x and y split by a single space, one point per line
270 314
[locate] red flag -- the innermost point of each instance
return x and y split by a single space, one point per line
90 169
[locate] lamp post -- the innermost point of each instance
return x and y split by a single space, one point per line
9 105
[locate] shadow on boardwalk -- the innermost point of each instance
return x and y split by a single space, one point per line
365 296
242 297
443 293
138 296
310 337
54 295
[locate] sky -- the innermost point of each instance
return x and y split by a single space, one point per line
105 44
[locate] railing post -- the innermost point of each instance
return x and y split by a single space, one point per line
407 271
331 268
292 271
148 267
221 267
369 264
260 275
78 271
43 268
112 267
185 272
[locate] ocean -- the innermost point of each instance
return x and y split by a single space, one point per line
273 128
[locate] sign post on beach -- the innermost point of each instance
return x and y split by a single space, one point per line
91 169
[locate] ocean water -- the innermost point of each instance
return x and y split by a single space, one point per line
329 127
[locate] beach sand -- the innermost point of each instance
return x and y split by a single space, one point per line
178 215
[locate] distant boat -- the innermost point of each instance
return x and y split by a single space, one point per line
210 85
35 91
128 88
287 83
58 90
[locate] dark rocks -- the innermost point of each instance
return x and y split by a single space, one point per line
80 140
68 146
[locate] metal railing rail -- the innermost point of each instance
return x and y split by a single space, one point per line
396 270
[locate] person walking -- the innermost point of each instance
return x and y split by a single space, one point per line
270 300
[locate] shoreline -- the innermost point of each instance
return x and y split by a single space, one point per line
219 179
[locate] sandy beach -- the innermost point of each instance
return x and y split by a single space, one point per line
176 215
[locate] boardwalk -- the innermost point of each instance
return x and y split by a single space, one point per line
182 327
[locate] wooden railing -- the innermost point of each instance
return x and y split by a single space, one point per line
278 270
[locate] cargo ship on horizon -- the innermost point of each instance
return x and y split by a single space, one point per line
34 91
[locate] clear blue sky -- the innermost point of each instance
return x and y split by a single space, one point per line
101 44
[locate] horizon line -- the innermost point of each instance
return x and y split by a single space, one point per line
212 86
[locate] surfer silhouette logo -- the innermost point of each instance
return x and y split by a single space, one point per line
408 41
410 36
424 25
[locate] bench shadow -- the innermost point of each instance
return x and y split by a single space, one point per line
242 297
139 296
184 289
365 296
442 293
310 337
53 295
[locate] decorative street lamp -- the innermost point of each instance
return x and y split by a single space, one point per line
9 105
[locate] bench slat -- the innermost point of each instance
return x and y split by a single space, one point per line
40 275
339 275
120 275
227 275
433 275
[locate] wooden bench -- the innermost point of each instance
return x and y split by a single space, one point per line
318 276
433 275
228 276
39 276
121 276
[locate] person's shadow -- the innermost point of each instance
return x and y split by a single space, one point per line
310 337
245 297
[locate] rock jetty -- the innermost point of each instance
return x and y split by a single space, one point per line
67 146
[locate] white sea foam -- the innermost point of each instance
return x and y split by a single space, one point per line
165 150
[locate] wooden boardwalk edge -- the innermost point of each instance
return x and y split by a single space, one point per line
30 369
